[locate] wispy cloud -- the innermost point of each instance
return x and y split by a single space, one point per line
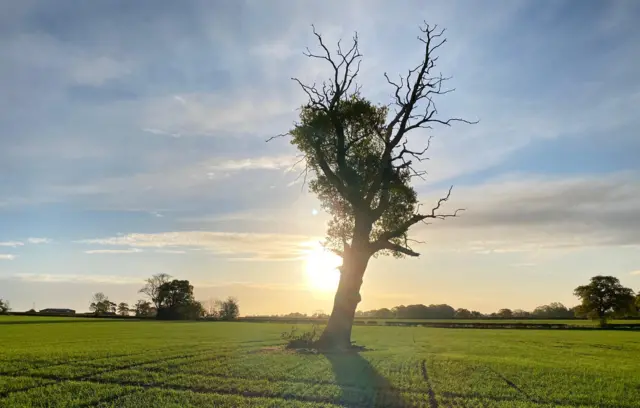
635 272
113 251
524 213
37 241
7 257
169 251
272 246
12 244
97 71
110 279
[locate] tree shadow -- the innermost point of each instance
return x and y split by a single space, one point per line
361 385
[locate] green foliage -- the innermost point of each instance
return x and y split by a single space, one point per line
363 123
123 309
605 297
297 339
152 287
4 306
143 308
101 304
176 302
229 309
554 309
168 364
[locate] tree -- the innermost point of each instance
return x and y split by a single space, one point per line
605 297
362 165
143 308
505 314
519 313
101 304
553 310
123 309
176 302
4 306
383 313
229 309
152 287
463 314
210 307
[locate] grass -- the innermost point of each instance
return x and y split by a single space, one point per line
105 363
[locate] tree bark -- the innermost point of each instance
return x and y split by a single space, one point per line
337 334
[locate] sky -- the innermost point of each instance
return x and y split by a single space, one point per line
132 142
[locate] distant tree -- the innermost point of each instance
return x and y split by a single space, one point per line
123 309
101 304
210 307
577 311
505 313
383 313
463 314
4 306
442 311
475 314
295 315
319 314
553 310
519 313
421 311
229 309
142 308
176 302
152 287
32 311
604 297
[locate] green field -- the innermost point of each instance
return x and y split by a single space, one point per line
47 362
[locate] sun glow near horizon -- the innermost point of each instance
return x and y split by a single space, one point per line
321 267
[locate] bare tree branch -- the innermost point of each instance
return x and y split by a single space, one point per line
381 245
416 218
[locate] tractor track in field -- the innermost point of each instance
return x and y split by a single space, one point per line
390 393
75 361
515 386
433 402
206 391
59 379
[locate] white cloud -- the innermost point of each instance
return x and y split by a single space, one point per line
38 240
274 246
525 213
7 257
111 279
635 272
243 111
11 244
97 71
256 163
160 132
113 251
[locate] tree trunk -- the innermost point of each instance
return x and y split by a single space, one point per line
337 334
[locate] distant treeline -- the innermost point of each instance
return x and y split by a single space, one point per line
553 310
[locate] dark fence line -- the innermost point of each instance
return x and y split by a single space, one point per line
535 326
496 324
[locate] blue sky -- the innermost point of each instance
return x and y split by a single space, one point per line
132 142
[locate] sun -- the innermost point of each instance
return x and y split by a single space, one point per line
322 269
